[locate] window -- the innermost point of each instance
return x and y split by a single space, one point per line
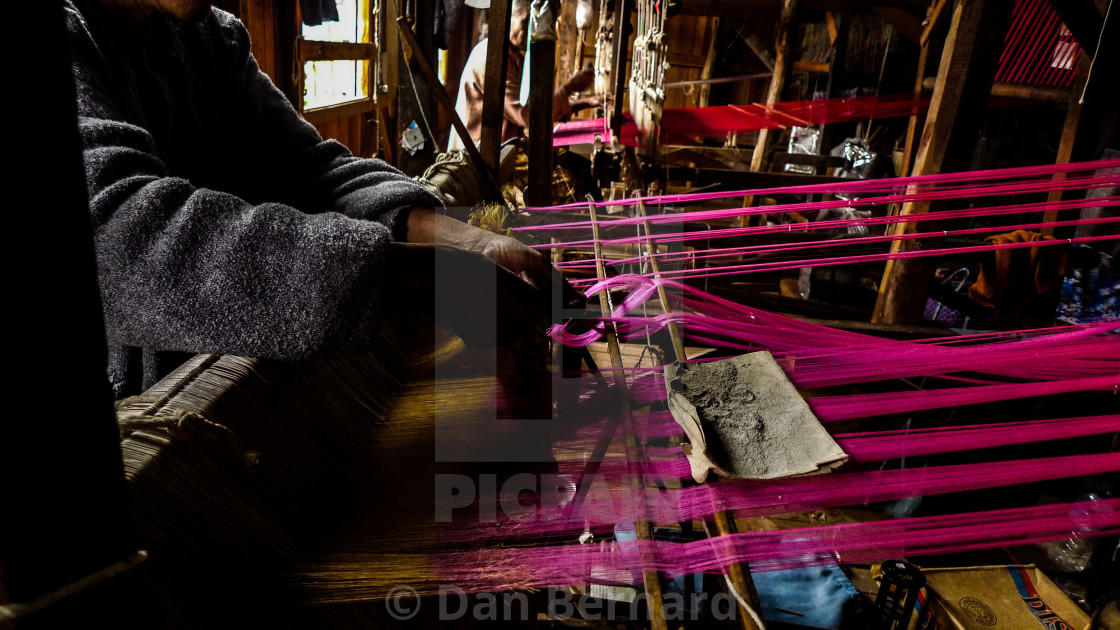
336 60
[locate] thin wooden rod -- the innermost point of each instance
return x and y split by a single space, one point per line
737 574
782 66
931 21
634 449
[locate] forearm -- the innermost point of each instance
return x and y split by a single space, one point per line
426 226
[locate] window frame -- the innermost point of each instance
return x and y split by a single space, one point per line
308 50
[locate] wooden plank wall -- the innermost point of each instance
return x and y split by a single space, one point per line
259 17
262 19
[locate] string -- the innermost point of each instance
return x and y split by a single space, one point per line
857 188
847 242
610 500
845 543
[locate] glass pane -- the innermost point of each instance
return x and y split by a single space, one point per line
333 82
352 24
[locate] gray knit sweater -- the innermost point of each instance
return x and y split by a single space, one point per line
223 222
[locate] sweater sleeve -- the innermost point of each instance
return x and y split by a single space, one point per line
196 269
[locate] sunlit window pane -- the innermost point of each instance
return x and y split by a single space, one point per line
351 26
333 82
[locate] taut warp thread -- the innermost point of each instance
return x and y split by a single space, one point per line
610 503
963 185
263 518
816 546
966 189
817 356
966 370
813 352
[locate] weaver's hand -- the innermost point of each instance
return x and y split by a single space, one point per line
426 226
482 302
532 266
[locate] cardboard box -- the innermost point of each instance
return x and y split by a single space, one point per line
995 598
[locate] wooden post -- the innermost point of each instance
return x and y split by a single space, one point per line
1086 122
782 66
494 90
287 29
953 123
709 62
542 60
623 13
916 119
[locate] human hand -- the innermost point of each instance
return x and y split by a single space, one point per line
587 102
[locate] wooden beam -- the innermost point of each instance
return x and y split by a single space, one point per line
782 67
494 88
931 21
1069 136
286 53
738 574
569 42
1040 94
818 161
310 50
322 115
836 71
1082 19
916 118
755 43
1100 94
416 105
954 121
820 67
1093 112
709 62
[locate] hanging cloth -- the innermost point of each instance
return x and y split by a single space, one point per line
315 12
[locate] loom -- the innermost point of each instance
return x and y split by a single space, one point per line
241 507
262 488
